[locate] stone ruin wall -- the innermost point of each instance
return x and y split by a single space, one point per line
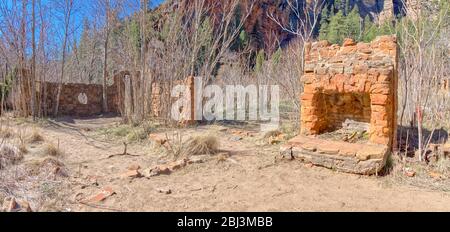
124 97
161 91
355 81
84 100
81 99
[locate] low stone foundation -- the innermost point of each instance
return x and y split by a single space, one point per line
364 159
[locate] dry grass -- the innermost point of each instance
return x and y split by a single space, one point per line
39 181
443 166
6 133
222 157
35 137
272 134
428 176
47 167
131 133
51 149
9 155
201 145
23 148
196 145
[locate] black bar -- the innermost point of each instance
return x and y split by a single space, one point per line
257 222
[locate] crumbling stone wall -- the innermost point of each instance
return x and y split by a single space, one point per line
161 95
125 98
76 99
84 100
355 81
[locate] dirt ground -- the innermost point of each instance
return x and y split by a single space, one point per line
249 180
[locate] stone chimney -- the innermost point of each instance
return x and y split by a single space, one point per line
348 89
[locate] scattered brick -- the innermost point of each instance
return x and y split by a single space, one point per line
103 195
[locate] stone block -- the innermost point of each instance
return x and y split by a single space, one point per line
379 99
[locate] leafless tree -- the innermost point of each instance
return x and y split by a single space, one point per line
107 11
33 62
226 31
67 10
143 71
419 32
43 61
107 28
306 20
306 15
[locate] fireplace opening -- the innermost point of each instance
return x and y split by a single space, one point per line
346 116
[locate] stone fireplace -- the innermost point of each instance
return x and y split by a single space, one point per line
351 87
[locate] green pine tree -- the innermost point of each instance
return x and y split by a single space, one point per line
347 6
337 28
370 30
276 57
243 39
342 5
353 24
260 57
386 28
324 22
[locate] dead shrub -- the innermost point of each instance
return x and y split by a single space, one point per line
173 145
6 133
23 148
272 134
47 167
51 149
201 145
443 166
198 145
35 137
9 155
222 157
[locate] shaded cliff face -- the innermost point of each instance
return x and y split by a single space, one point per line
262 29
382 9
264 32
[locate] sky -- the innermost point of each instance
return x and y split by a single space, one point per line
82 10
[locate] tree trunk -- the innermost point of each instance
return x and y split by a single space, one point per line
105 58
33 65
42 86
22 65
61 78
68 11
105 74
144 83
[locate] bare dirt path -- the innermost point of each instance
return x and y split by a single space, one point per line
248 181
